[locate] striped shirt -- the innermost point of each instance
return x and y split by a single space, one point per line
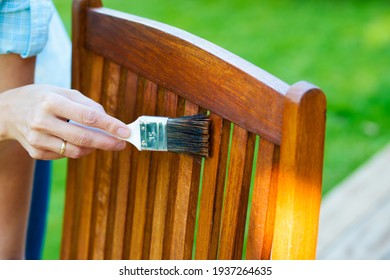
24 26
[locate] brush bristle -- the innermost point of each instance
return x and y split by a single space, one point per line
189 135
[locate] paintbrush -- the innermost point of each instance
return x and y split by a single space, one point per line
187 134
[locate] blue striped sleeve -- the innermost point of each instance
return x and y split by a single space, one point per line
24 26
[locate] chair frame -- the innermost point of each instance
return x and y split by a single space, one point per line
290 120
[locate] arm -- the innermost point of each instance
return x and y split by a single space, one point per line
33 125
35 116
16 168
33 122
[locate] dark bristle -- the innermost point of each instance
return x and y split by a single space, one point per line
189 135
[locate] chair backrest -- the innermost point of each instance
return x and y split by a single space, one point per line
258 194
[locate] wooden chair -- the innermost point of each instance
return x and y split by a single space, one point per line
258 194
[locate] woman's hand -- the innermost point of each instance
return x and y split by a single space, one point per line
36 116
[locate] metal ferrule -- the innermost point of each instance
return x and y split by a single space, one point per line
153 133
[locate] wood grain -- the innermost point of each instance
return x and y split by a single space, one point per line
79 55
209 190
181 185
262 214
121 170
103 172
79 15
142 180
244 196
300 175
86 169
233 189
141 82
143 205
153 181
206 71
163 172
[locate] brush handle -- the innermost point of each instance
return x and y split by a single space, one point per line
134 127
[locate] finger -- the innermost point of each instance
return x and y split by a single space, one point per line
80 113
44 155
38 154
79 136
49 155
77 97
46 146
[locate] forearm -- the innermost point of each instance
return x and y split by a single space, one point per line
14 72
16 167
16 171
33 124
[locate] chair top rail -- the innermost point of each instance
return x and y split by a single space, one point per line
194 68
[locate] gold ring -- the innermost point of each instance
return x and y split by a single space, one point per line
63 147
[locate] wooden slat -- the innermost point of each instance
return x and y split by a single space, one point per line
219 190
146 49
177 216
133 174
68 246
144 204
172 190
86 170
79 53
262 214
141 184
234 186
76 231
244 196
208 193
70 226
118 205
79 210
103 173
300 175
163 172
193 204
153 179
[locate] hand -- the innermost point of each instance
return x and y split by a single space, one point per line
36 116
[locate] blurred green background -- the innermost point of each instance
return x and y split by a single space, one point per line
341 46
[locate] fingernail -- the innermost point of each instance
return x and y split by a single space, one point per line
123 132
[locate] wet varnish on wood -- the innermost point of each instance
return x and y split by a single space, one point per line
260 191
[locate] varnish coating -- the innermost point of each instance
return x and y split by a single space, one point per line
258 194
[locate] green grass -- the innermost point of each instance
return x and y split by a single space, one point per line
56 211
341 46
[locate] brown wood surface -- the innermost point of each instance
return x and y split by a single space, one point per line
214 185
262 213
208 196
162 171
233 190
133 175
118 205
142 180
300 175
104 163
266 138
86 168
79 56
147 50
178 216
152 182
